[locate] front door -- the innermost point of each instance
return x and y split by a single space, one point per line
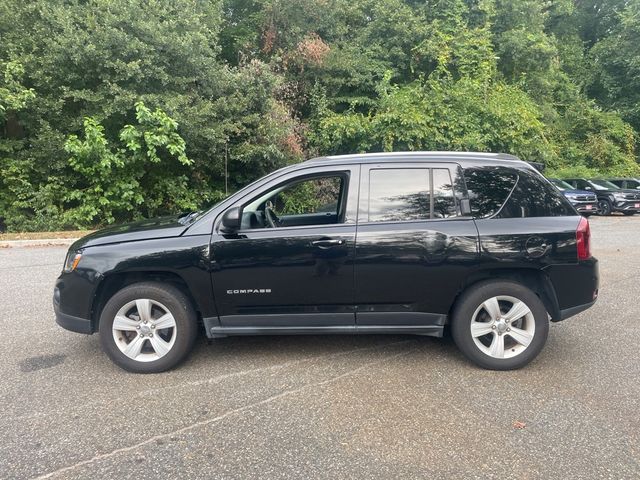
291 263
414 248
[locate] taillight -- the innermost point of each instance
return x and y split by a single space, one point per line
583 239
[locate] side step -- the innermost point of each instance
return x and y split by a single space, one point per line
218 331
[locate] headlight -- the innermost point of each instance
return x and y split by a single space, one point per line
571 196
71 262
618 196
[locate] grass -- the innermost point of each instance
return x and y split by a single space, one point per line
43 235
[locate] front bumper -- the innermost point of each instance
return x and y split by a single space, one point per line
586 207
69 322
626 206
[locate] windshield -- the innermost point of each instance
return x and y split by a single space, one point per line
604 185
561 184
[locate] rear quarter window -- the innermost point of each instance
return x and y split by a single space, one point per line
488 188
513 193
533 196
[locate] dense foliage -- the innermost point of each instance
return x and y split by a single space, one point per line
112 110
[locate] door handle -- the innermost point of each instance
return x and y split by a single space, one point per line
327 243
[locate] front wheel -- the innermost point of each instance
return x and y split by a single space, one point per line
604 207
500 325
148 327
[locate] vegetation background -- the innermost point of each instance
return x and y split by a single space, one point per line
112 110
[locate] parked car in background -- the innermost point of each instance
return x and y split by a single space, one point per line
628 183
585 202
611 198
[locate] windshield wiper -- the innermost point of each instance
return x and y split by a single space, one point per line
187 218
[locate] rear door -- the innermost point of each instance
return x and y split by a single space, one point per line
413 246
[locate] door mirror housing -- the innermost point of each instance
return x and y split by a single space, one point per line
465 207
231 220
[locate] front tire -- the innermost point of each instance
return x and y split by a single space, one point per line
604 207
500 325
148 327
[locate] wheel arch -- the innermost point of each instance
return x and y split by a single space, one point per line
534 279
114 282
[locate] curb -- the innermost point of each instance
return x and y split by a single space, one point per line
44 242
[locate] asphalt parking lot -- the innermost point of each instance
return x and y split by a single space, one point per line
323 407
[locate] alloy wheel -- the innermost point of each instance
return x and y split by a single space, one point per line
144 330
503 327
604 208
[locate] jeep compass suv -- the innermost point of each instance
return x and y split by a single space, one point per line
377 243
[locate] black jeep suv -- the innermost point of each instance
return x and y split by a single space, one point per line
375 243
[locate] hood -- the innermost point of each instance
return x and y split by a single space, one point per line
577 192
162 227
635 194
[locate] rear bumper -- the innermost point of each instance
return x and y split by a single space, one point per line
576 287
570 312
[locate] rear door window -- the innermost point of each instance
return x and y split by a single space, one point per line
413 193
398 194
444 198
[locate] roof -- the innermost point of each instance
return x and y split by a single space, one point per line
411 156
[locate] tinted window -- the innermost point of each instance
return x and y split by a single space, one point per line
489 188
311 201
398 194
316 195
534 197
444 203
604 184
582 185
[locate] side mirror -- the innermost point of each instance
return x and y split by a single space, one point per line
231 220
588 188
465 207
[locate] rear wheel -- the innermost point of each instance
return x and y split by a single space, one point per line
148 327
500 325
604 207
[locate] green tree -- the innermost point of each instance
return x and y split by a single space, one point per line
147 168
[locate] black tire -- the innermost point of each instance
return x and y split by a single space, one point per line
604 208
175 302
628 214
473 298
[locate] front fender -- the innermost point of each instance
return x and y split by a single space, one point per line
186 257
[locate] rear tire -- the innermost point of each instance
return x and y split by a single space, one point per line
500 325
148 327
